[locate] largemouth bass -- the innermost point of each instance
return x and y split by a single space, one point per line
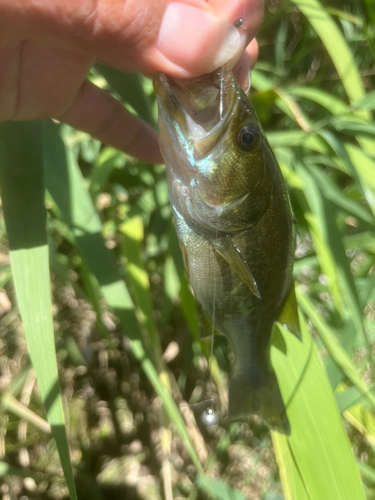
235 227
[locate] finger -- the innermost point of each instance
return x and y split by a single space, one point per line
252 50
100 115
245 63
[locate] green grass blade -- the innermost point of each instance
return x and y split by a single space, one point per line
345 15
9 402
354 127
367 102
8 469
341 152
22 189
349 397
297 138
129 87
347 335
342 58
293 486
365 167
108 160
335 350
324 252
336 46
363 419
133 234
280 45
329 239
321 451
332 192
324 99
366 471
220 489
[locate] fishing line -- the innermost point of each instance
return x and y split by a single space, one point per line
221 110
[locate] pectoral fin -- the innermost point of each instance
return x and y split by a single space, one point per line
228 250
289 314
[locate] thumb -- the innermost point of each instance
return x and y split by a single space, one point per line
192 41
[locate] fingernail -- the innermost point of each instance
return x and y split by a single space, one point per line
230 49
196 40
232 61
246 83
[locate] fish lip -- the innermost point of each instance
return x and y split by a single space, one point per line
164 93
162 89
168 104
176 111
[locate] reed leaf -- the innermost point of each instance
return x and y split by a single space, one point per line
316 461
22 191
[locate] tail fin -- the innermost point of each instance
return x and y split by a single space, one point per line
264 399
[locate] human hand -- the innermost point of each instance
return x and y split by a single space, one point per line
48 46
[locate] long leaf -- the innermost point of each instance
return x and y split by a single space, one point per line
22 190
337 352
328 234
335 45
319 455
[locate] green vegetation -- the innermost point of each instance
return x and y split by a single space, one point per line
123 320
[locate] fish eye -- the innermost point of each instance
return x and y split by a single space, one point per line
248 138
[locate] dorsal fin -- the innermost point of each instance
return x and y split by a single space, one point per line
232 254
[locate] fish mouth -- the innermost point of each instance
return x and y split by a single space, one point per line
201 106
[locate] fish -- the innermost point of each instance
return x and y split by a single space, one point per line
235 227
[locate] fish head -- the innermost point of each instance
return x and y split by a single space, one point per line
214 149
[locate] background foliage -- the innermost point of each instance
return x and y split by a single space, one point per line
125 323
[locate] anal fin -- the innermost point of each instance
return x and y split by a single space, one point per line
231 253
